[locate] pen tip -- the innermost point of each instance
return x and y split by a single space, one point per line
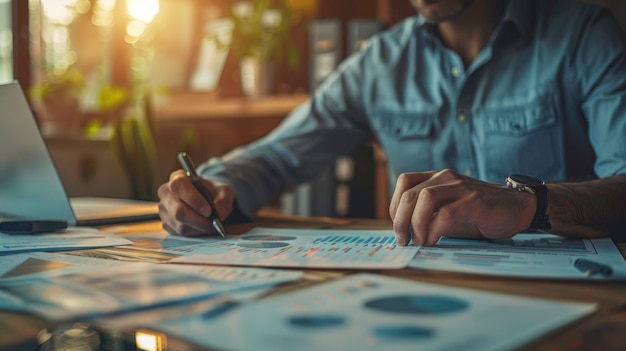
219 228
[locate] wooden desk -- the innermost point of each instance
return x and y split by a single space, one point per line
603 330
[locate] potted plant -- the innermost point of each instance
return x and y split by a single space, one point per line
57 101
134 145
261 37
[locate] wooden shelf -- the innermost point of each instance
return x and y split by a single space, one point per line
198 107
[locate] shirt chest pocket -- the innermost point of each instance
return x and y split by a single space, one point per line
402 125
406 138
525 139
520 122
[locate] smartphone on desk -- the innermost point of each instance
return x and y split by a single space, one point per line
31 226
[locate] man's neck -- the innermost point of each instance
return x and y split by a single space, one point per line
468 34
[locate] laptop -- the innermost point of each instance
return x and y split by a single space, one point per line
30 186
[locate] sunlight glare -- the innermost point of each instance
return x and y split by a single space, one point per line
143 10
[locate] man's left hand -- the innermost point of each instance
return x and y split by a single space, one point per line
434 204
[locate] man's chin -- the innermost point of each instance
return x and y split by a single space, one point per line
433 11
433 17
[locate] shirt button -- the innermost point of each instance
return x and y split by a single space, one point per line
467 171
461 118
456 71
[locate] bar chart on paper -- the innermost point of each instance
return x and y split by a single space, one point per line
302 248
524 255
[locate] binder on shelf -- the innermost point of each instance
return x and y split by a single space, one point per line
317 198
325 50
355 181
337 192
361 30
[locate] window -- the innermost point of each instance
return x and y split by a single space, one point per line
6 42
90 61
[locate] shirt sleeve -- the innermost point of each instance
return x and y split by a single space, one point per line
328 125
600 66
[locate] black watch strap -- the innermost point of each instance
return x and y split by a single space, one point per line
541 220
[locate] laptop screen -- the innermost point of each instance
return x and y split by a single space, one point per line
29 184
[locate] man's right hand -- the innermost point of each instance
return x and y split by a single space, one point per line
184 211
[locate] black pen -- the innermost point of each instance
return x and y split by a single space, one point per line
590 267
190 171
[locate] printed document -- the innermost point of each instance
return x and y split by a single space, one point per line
303 248
73 238
372 312
524 255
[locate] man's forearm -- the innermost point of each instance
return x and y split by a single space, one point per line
594 208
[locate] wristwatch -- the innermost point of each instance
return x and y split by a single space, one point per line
537 187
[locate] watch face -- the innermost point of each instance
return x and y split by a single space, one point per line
524 179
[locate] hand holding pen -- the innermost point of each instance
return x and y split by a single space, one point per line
190 171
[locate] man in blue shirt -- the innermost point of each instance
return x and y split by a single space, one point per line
479 89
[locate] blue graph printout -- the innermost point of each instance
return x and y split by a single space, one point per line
524 255
304 248
373 312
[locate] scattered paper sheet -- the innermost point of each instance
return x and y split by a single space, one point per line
524 255
98 288
49 264
72 239
202 310
372 312
303 248
160 241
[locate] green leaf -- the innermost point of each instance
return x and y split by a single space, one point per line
111 98
93 128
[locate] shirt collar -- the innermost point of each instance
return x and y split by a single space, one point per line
423 28
518 12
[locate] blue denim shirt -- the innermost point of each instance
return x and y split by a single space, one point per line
546 97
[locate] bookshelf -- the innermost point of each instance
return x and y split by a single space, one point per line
290 80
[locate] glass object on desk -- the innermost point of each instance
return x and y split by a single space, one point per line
86 336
